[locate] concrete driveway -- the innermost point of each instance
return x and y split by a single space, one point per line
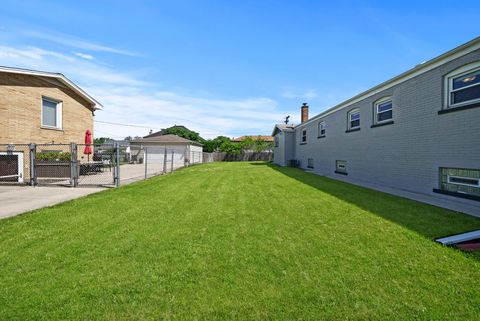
15 200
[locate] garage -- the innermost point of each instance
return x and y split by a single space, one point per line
184 151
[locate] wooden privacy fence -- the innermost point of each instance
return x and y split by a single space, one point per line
242 157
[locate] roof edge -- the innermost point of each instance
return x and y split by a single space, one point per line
277 126
426 66
145 142
95 103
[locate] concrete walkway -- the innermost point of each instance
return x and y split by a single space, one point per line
15 200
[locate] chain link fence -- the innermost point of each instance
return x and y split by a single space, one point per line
106 165
76 165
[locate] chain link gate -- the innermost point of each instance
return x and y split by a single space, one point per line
60 165
52 164
96 165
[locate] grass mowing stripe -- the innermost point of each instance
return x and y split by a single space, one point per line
237 241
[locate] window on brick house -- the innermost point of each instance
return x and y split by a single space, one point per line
51 113
462 86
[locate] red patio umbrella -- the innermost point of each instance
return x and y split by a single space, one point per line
88 142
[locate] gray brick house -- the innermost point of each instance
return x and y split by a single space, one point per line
416 135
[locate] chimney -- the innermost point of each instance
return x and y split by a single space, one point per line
304 112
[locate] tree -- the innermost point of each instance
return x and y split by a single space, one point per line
230 147
100 140
262 145
257 145
183 132
212 145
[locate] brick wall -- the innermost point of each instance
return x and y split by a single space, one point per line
405 155
20 111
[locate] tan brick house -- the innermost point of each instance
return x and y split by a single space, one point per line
43 107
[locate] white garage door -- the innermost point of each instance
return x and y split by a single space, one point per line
157 154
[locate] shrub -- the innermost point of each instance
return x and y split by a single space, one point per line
53 156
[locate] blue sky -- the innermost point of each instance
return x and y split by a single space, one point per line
226 67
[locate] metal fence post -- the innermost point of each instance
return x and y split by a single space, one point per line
73 165
117 165
165 161
145 160
33 152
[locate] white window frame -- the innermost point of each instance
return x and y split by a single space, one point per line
341 166
448 85
462 177
349 117
304 135
381 102
321 126
58 113
19 165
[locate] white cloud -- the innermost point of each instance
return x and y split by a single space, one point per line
74 42
77 69
131 100
209 117
84 56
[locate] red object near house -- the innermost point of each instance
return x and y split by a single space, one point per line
88 142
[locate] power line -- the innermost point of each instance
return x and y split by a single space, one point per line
128 125
106 133
149 127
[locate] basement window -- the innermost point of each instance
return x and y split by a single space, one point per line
310 162
461 182
341 167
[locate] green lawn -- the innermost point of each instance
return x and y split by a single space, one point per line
237 241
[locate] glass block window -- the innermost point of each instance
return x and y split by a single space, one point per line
341 166
310 163
460 180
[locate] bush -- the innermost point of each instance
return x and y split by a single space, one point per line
53 156
231 148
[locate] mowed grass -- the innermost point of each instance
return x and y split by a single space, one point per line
237 241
